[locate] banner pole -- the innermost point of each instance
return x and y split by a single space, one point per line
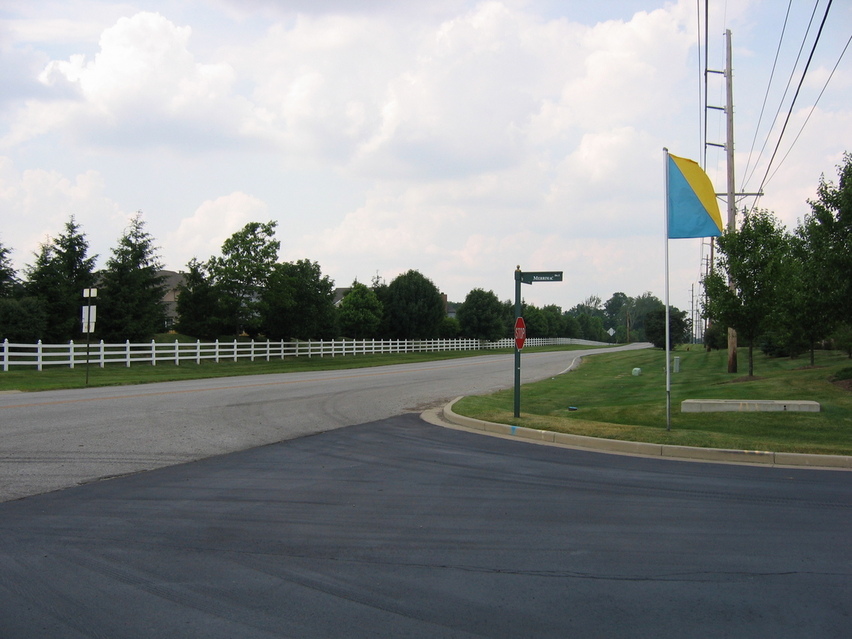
668 331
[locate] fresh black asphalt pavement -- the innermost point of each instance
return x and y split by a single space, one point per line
400 528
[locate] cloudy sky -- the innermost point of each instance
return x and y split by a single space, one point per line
456 137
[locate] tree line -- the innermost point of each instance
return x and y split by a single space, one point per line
46 304
247 290
786 293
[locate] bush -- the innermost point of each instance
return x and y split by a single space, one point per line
716 337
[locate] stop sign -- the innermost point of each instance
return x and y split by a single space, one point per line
520 333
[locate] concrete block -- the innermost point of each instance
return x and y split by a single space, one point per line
761 405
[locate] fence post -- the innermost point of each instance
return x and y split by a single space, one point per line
38 355
198 351
235 349
216 351
127 353
71 350
177 354
5 355
102 354
153 353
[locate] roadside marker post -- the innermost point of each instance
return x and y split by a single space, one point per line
89 317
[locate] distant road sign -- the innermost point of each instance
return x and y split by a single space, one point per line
90 316
541 276
520 333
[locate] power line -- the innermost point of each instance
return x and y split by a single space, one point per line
768 86
793 103
746 178
792 144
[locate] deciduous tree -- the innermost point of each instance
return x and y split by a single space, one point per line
831 213
480 316
298 302
535 321
414 308
655 327
753 259
360 312
240 274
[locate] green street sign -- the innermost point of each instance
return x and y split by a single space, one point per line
541 276
520 326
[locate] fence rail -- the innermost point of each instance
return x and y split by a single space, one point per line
75 353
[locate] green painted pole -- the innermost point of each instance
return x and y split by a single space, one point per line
517 350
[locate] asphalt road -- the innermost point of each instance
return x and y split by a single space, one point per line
52 440
400 528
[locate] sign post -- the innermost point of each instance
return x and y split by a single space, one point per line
89 316
520 325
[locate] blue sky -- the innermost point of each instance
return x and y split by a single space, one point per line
457 138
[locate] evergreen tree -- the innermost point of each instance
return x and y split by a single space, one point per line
61 271
22 321
198 309
130 298
8 275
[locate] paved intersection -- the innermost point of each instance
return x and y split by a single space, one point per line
401 528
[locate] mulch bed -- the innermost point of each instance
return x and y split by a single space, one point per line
845 384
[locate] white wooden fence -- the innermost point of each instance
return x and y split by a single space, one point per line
76 353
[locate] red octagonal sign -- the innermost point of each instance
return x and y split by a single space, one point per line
520 333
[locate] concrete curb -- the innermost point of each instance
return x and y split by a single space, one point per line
446 417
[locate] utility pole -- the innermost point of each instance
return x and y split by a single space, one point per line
732 205
730 193
692 312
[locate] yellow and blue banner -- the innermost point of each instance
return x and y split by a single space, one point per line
690 201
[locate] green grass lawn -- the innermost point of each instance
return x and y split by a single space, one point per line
612 403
